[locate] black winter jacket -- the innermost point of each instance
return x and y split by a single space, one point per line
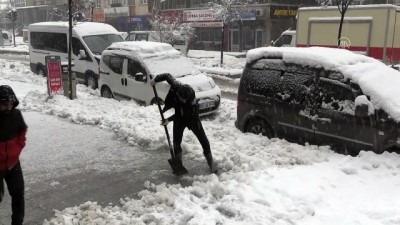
186 113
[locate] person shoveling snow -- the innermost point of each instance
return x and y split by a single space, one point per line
181 97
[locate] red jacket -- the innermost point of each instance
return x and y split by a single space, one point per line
10 151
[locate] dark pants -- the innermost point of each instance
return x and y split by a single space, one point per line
198 130
15 184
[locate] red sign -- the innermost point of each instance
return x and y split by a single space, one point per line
54 77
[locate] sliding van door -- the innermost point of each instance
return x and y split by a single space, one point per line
81 64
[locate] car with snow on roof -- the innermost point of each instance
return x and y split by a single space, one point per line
126 69
321 96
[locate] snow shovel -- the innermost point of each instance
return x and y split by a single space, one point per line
175 163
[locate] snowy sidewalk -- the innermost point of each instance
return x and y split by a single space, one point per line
66 164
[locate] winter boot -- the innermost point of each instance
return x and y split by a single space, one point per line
177 166
211 164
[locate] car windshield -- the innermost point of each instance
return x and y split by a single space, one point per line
283 40
175 64
97 43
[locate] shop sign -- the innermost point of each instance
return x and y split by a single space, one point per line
54 77
198 15
248 15
283 11
98 15
207 24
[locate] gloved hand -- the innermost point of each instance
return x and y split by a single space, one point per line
152 82
165 122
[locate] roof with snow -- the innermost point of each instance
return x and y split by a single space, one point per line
145 48
375 79
158 57
81 28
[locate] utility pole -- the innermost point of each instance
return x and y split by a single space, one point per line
69 48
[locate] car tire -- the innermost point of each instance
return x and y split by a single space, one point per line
259 126
106 92
40 71
91 81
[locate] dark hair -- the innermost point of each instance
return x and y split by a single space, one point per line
186 92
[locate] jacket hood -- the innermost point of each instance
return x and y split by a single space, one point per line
7 94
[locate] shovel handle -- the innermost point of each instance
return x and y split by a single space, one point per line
171 150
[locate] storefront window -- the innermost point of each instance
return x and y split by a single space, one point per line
248 38
208 34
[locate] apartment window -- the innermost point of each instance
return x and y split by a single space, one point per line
143 2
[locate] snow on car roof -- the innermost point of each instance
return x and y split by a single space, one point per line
158 57
376 79
145 48
81 28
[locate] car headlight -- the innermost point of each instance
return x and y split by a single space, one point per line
212 83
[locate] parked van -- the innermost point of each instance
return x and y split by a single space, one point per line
287 39
321 96
89 39
180 45
126 67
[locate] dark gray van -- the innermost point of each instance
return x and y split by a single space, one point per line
302 103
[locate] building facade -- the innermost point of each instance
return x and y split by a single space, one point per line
260 23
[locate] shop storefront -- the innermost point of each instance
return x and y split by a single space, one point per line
208 30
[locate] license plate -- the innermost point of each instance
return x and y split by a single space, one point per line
206 105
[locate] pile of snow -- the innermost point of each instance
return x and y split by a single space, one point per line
263 181
210 62
375 79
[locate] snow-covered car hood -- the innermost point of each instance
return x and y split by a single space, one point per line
198 82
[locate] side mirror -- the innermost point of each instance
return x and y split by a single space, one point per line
82 54
140 77
364 107
272 43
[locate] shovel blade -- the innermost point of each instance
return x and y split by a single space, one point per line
177 167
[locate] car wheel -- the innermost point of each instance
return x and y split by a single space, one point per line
40 71
106 93
91 81
259 126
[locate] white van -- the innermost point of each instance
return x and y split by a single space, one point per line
89 39
125 70
180 45
287 39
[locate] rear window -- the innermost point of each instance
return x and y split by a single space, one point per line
269 78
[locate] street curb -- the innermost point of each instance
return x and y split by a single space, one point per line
7 51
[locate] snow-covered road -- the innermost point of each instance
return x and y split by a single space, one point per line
263 181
